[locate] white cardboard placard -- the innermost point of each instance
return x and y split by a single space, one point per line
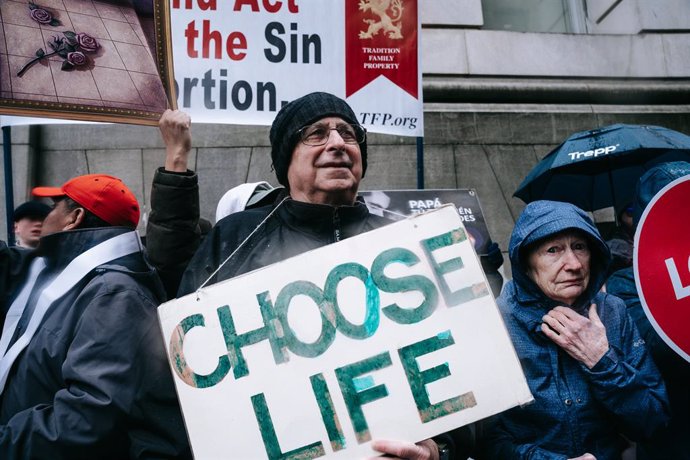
378 332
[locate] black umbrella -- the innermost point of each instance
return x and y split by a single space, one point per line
600 168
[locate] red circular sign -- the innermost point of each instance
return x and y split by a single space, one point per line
662 264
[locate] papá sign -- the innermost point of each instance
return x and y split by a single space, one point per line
392 334
662 264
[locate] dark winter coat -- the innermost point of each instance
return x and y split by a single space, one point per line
93 382
278 231
172 230
295 227
576 409
14 261
173 233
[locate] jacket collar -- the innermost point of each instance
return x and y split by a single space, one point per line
527 307
319 218
59 249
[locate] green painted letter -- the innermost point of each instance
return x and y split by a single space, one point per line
404 284
419 379
180 365
308 350
371 320
461 295
330 418
359 391
234 341
268 434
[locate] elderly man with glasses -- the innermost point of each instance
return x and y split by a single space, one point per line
319 154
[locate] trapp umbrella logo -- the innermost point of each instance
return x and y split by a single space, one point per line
381 40
593 153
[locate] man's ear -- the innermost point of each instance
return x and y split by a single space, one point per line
74 219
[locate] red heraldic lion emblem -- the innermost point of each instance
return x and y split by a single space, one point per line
381 39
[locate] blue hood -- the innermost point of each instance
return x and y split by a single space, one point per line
539 220
654 180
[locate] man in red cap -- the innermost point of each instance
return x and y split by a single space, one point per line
83 371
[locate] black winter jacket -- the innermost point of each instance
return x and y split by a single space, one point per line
93 382
295 227
14 261
274 233
172 230
173 234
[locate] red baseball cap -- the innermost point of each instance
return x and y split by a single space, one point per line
105 196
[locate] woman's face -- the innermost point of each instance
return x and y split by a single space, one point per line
559 265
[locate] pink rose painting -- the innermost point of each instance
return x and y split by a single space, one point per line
70 46
87 43
42 16
93 60
76 58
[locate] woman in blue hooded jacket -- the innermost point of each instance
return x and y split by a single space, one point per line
587 367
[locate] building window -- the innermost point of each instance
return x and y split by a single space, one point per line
558 16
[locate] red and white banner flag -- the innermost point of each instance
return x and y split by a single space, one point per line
386 45
240 61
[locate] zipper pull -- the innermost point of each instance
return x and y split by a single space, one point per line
336 225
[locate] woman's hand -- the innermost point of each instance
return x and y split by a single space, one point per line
586 456
423 450
582 338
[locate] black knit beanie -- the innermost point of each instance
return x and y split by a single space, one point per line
298 114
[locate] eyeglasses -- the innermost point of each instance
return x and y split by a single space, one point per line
318 134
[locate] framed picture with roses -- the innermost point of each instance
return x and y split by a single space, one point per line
91 60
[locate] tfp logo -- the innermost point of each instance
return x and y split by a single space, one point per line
593 153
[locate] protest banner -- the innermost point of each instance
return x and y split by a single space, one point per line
240 61
84 60
661 261
392 334
398 204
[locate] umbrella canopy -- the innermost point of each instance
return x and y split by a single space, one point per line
600 168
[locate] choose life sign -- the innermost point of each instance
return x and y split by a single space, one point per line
393 334
240 61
